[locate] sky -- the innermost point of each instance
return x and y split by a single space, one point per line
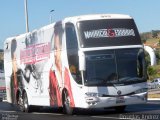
146 13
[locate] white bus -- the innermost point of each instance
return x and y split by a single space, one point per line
90 61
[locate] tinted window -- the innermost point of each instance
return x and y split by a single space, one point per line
72 52
110 32
123 66
71 37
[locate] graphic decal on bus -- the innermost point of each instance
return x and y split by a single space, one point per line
55 78
14 84
56 74
35 53
33 58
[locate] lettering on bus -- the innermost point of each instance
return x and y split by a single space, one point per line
35 53
115 32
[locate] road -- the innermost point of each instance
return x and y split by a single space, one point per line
149 111
154 91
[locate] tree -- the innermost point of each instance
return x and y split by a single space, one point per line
154 33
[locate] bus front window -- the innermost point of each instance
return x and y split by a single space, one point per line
109 67
100 67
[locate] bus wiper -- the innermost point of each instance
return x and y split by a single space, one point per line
114 85
105 81
126 79
96 81
97 78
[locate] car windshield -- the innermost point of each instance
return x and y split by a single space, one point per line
121 66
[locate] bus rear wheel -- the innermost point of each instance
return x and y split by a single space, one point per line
20 102
66 104
26 107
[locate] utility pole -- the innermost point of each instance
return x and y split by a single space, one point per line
51 16
26 15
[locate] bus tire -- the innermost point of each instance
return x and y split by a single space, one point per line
26 106
67 109
120 108
20 102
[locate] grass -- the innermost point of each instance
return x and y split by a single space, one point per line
152 41
155 75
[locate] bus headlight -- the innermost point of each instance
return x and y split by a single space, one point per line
92 98
141 91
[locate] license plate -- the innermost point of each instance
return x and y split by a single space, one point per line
120 100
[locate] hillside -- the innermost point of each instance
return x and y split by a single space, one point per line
1 54
153 42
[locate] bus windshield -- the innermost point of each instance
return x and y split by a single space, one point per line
120 66
108 32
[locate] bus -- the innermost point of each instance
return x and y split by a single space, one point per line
87 61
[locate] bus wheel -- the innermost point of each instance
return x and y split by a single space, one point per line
66 104
120 108
20 102
26 107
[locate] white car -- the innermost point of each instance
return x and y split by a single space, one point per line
155 83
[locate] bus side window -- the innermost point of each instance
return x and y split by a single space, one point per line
71 37
72 52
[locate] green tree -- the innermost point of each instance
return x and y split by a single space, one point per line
154 33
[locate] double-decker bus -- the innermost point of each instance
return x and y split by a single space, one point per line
90 61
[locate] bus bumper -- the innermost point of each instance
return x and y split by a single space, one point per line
104 102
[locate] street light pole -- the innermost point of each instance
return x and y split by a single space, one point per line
51 15
26 15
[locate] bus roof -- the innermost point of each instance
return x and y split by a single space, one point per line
97 16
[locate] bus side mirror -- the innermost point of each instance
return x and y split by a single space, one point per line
82 63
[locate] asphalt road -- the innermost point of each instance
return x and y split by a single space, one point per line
154 91
149 111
